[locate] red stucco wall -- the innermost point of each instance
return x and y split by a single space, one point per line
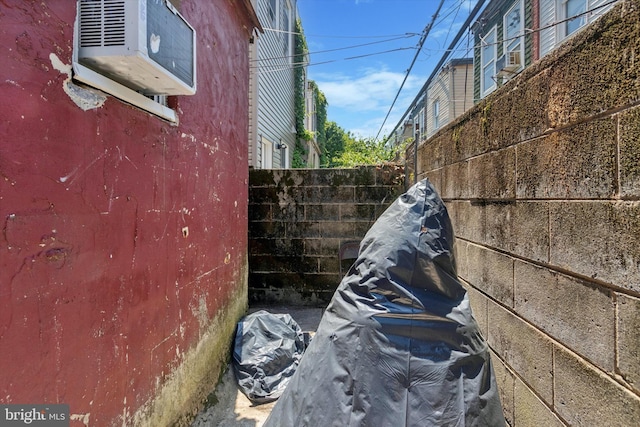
121 235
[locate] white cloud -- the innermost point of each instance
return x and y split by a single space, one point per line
373 90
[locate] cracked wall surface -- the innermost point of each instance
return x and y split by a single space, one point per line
123 243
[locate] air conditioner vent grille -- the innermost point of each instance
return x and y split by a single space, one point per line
102 23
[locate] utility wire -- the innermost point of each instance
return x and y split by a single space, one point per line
298 64
275 30
453 44
425 33
464 28
408 35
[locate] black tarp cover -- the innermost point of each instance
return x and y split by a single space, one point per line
397 345
266 352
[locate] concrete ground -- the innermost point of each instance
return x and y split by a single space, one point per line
232 408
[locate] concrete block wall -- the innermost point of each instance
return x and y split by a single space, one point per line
299 218
542 181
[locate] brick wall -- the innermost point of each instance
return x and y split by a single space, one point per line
297 221
542 181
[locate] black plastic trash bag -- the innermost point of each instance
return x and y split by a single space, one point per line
266 353
397 345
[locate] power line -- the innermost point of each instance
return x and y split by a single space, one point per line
464 28
425 33
453 44
298 64
276 30
408 35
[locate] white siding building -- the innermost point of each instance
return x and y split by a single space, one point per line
272 131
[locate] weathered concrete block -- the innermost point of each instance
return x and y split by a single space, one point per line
390 174
322 212
430 155
261 178
302 229
599 240
491 272
298 222
530 411
629 339
531 230
341 194
467 139
598 70
467 220
376 194
584 396
576 163
478 302
357 212
493 175
505 381
629 140
260 212
338 229
525 349
578 314
460 248
263 195
498 229
284 179
455 181
266 229
360 228
279 246
288 212
435 177
362 176
524 103
325 246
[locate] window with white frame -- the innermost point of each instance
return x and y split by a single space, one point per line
514 36
436 114
267 154
273 9
561 18
286 28
488 53
573 10
420 128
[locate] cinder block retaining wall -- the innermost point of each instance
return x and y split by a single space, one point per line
297 221
542 180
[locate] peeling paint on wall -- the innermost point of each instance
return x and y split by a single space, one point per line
86 99
83 418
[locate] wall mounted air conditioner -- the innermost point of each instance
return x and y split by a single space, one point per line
509 63
145 45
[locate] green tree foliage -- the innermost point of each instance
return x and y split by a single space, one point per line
364 151
347 150
335 141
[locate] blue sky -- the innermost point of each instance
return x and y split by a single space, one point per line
360 91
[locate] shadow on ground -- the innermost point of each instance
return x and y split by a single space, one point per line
228 406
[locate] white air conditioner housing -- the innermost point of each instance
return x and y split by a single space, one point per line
508 63
145 45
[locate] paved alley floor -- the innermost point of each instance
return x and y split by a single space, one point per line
232 408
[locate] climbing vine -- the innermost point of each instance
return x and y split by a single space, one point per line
321 120
299 155
303 135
